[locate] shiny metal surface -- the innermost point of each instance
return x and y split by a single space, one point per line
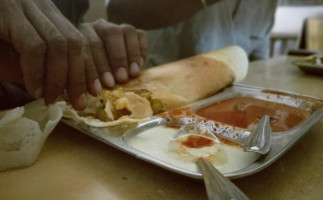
197 129
218 187
260 137
281 141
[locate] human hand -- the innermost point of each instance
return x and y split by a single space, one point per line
54 55
10 70
118 51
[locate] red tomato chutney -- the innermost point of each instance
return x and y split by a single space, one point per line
245 112
196 141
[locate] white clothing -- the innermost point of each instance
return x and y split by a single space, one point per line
246 23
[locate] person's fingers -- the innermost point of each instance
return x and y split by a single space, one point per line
113 39
10 69
32 61
76 80
93 83
99 55
76 83
56 54
133 50
143 45
32 51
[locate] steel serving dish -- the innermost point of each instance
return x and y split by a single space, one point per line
308 65
281 141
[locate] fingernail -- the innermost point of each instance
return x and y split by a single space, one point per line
134 69
82 100
141 62
97 86
122 75
108 79
39 93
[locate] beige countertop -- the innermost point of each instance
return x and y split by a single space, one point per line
75 166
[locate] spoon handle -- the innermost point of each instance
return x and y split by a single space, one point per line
218 187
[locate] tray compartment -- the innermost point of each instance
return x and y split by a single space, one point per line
281 141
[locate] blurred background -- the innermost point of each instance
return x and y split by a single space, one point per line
298 25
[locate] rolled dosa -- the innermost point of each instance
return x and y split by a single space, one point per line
165 87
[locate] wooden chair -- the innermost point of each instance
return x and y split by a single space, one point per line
312 34
280 44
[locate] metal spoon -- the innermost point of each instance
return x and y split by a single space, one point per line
259 140
217 186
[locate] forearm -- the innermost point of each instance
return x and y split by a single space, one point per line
153 14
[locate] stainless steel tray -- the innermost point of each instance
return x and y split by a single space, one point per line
281 141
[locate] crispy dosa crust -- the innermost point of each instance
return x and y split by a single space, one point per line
188 80
23 131
177 84
235 58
